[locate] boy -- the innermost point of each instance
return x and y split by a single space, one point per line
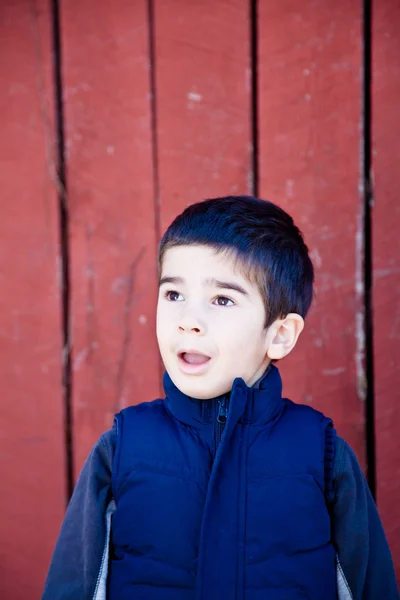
224 490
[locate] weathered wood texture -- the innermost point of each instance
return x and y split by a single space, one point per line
158 114
309 130
106 79
386 261
203 99
32 498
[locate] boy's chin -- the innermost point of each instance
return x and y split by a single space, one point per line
199 387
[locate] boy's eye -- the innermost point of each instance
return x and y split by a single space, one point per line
172 296
223 301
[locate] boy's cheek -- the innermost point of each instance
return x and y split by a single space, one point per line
162 318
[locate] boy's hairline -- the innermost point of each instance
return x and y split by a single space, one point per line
230 251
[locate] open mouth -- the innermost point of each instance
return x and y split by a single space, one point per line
193 358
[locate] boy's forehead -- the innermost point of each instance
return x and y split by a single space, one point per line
181 256
196 258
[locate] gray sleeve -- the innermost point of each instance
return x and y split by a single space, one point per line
76 561
357 532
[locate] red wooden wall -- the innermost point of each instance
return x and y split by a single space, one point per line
166 103
309 81
111 202
386 262
32 454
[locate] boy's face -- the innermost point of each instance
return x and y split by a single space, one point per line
209 333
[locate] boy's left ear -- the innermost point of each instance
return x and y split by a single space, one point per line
283 335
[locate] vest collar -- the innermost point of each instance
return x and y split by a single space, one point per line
257 405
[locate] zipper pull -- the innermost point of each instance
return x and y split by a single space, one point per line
222 411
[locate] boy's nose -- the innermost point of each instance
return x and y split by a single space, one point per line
190 324
194 329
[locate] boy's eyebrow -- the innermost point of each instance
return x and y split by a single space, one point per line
226 285
173 280
211 281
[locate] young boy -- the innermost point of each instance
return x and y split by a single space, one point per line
224 490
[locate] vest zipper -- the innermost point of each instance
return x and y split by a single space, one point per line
222 416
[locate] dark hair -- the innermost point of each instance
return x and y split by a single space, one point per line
263 240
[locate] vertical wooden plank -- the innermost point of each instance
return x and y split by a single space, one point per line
386 262
32 466
111 212
203 77
309 107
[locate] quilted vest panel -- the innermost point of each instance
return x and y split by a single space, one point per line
249 523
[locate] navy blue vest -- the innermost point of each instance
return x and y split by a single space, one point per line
208 510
